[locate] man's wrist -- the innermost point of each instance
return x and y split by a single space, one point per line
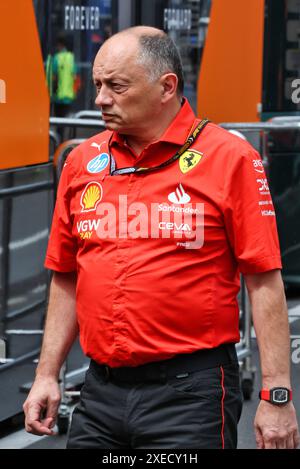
47 373
269 382
46 376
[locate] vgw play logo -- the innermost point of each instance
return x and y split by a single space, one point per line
2 92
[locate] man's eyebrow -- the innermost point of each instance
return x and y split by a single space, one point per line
112 77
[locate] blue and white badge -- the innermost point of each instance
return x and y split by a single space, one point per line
98 164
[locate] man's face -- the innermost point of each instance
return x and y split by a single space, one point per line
129 101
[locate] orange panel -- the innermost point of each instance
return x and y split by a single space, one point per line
24 100
230 80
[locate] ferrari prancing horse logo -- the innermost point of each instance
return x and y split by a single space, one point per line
189 160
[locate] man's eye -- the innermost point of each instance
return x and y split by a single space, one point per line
117 87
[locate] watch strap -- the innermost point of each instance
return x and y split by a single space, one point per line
265 394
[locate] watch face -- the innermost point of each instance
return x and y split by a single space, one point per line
280 396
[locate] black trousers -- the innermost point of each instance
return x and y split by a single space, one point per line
199 410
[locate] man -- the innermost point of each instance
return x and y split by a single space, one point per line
150 261
64 77
62 80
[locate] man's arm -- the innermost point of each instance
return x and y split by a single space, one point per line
275 427
61 331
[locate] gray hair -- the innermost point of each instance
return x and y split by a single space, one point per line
159 54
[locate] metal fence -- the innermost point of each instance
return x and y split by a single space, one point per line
91 120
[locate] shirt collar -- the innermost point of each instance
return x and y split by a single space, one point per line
177 132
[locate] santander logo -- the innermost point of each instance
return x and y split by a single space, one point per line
179 196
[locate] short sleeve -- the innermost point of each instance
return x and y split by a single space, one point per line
249 215
62 247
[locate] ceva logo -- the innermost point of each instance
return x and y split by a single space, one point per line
2 92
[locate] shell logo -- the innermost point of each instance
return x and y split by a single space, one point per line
91 197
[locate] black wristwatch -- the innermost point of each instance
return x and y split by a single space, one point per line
277 396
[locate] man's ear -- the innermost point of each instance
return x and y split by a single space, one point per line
169 85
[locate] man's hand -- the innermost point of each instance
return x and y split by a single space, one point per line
41 406
42 403
276 426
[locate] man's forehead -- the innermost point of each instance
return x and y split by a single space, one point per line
111 68
117 47
115 60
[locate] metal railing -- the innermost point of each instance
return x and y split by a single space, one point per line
59 152
86 114
76 122
54 141
276 125
62 152
91 119
7 196
262 126
244 347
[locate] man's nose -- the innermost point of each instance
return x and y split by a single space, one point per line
104 97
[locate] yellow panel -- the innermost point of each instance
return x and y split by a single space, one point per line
230 80
24 100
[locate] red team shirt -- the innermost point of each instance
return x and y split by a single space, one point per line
159 255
